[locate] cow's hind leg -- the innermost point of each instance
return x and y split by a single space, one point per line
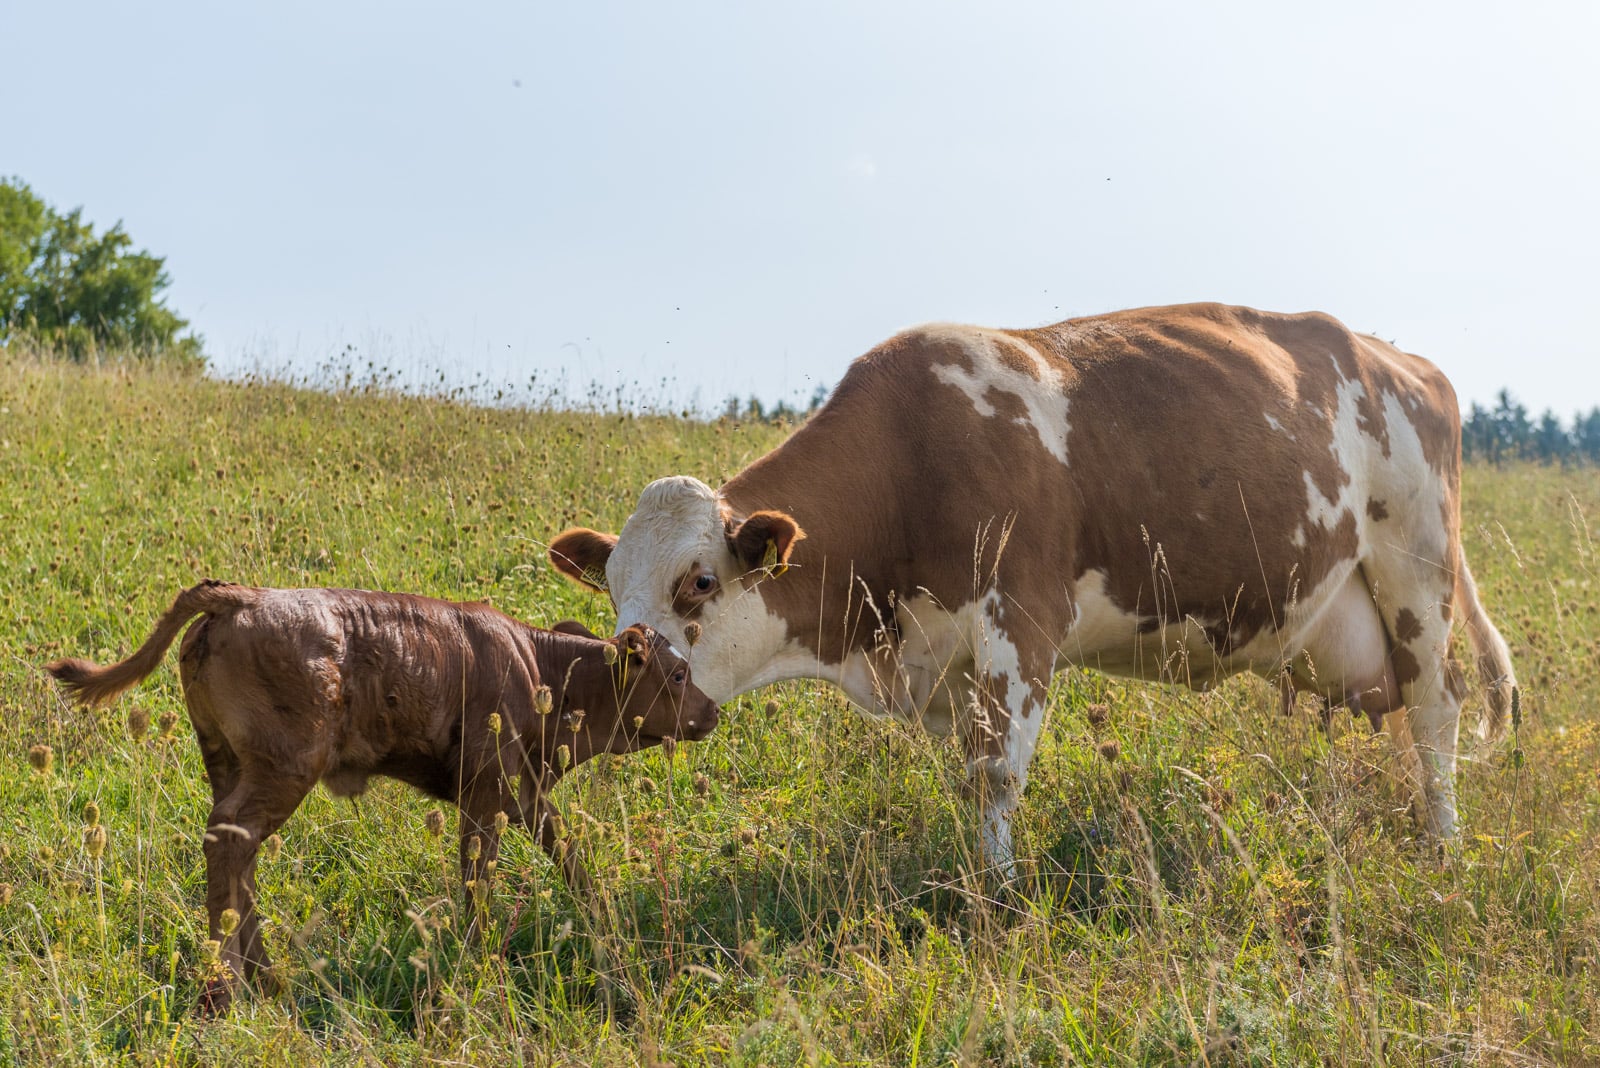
1413 594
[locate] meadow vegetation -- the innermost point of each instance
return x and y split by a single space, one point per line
1210 882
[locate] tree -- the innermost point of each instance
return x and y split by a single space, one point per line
78 293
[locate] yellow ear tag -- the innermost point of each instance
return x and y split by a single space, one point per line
595 577
769 560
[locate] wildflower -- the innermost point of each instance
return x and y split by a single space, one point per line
609 654
563 757
1110 750
771 710
138 723
575 718
434 822
168 722
228 922
747 836
1098 714
501 822
474 847
42 758
542 701
494 723
669 746
691 633
638 723
702 785
5 894
273 846
91 814
94 841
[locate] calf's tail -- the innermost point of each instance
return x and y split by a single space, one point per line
1494 660
92 685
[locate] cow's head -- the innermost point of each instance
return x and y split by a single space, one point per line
683 558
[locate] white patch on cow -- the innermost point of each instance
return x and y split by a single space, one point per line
1043 395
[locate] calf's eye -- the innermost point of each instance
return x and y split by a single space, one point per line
704 583
680 677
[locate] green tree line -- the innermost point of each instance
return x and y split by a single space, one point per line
1506 432
80 294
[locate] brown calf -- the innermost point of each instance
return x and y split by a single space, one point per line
286 687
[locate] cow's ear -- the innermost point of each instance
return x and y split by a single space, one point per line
576 629
581 555
763 541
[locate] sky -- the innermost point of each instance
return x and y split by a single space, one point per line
680 202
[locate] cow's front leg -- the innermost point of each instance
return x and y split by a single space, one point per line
1009 685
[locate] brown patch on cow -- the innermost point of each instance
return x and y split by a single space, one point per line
1406 668
1377 510
1407 627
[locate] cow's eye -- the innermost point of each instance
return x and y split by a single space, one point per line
680 677
704 583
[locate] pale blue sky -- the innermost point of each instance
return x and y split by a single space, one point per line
743 198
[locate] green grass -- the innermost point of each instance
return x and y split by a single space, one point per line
1232 889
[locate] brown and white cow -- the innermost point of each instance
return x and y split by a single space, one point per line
1175 493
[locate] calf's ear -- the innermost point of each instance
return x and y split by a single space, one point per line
581 555
573 627
634 643
764 540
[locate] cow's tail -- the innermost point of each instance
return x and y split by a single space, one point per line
92 685
1494 660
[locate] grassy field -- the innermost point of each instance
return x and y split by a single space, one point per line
1213 883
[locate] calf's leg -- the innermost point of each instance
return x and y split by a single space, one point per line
256 807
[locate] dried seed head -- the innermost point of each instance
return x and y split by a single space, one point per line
748 836
273 846
210 950
42 758
167 722
91 813
94 841
691 633
46 854
434 822
1098 714
542 700
1110 750
563 757
772 710
474 847
647 785
138 723
669 746
5 894
575 718
228 922
609 654
494 723
638 723
501 822
702 785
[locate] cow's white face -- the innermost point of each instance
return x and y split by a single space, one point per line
683 558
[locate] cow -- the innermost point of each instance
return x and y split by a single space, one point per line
1172 493
288 687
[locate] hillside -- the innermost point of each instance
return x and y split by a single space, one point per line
1215 883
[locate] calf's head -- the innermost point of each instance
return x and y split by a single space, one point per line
654 696
684 557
